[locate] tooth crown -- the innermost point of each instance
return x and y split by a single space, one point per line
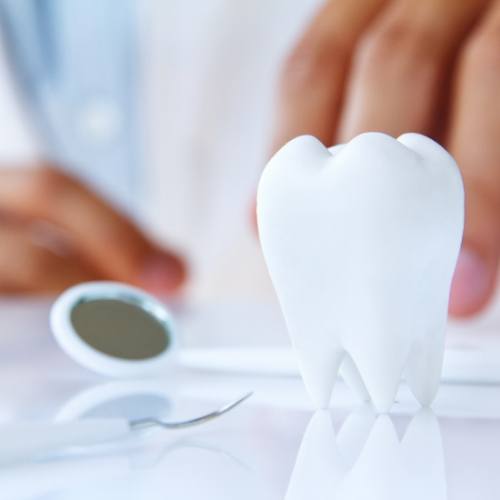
361 243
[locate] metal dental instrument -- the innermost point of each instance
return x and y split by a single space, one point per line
29 440
156 422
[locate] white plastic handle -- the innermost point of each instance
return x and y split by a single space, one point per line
27 440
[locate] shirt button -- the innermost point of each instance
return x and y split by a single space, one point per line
100 121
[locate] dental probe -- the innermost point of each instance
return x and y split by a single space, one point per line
29 440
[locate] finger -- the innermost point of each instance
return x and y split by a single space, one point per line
312 80
28 268
107 240
400 66
475 142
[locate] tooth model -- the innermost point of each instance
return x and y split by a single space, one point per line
361 242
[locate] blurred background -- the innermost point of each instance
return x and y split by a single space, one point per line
133 133
164 107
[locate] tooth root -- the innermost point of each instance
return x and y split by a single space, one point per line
423 369
353 380
425 359
381 368
319 372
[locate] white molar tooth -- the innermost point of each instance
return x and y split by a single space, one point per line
361 243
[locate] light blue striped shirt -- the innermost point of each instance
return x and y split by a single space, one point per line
76 63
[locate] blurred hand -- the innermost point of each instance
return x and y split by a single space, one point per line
54 232
429 66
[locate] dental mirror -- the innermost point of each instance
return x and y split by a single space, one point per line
114 329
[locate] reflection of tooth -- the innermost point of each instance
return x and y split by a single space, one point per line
387 469
361 243
354 432
379 472
423 435
367 460
318 467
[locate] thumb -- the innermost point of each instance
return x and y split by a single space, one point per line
476 272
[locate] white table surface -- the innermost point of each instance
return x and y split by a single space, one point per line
452 452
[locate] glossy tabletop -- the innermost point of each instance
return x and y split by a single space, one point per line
271 447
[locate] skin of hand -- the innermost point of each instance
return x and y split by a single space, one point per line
395 66
55 232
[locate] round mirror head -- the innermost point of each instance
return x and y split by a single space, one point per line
120 328
112 328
